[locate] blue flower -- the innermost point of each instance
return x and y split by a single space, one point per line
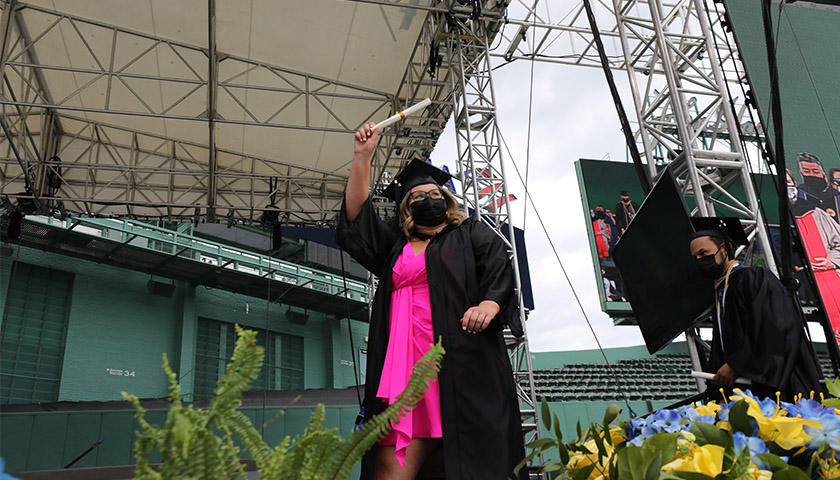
635 426
829 433
768 407
807 408
723 413
3 474
638 440
754 446
667 420
636 431
692 416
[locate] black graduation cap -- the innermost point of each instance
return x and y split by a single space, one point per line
417 172
728 229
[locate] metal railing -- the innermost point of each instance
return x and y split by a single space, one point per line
169 242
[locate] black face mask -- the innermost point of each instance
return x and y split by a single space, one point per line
709 266
817 183
429 212
600 215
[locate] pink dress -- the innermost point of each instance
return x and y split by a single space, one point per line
410 337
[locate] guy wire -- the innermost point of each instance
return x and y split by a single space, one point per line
568 280
350 330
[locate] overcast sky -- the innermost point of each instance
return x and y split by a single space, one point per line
573 117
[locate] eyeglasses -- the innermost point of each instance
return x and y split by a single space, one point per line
420 196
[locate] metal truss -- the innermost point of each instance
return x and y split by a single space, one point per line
425 76
692 95
110 170
113 169
482 172
679 67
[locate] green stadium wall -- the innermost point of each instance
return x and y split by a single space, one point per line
51 440
113 322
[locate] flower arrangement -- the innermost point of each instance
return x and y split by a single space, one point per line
744 437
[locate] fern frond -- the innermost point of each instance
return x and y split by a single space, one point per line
174 387
205 459
305 460
316 421
241 425
354 448
240 373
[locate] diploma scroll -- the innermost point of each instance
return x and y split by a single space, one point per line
711 376
401 115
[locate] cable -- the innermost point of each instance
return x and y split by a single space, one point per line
781 194
350 329
542 224
786 273
530 118
619 107
267 349
568 279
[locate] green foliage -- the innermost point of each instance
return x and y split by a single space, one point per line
741 421
199 444
833 386
594 442
695 451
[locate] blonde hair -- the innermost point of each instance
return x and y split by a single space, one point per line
454 214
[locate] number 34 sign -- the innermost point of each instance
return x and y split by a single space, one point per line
122 373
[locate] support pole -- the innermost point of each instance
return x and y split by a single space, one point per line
212 87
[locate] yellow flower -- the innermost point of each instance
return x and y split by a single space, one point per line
754 473
580 460
788 432
708 409
617 435
707 460
830 469
765 425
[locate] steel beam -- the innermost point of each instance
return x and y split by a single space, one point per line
212 89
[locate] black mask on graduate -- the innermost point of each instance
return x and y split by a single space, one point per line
600 215
817 183
429 212
709 266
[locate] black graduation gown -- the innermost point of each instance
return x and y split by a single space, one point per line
763 336
466 264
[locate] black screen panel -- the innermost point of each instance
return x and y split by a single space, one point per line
663 283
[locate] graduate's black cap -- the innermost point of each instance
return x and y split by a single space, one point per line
417 172
728 229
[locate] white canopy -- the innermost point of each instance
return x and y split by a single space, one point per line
147 125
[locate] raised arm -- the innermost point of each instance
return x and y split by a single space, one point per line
358 185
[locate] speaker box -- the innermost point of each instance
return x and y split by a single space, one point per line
160 288
299 318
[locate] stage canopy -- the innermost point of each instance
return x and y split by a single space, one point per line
155 107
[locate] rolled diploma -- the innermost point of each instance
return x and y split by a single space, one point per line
711 376
401 115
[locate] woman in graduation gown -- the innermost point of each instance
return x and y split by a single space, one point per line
473 409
